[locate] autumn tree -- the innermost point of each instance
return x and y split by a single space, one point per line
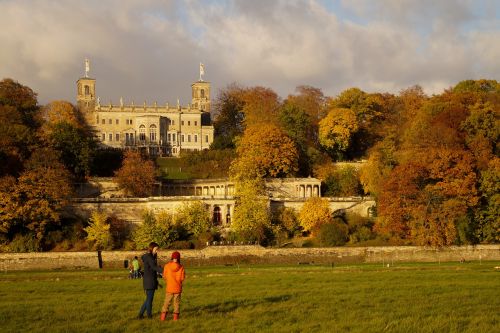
425 201
336 130
310 100
261 106
18 110
137 175
35 200
58 112
314 213
488 229
264 151
98 231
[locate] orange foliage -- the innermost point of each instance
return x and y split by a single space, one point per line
137 175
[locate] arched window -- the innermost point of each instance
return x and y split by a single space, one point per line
152 133
87 90
142 133
216 216
202 93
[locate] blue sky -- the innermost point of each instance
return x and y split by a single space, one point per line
150 50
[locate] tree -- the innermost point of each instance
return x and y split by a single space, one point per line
309 100
229 116
194 217
261 106
137 175
60 111
252 219
315 212
336 130
489 210
18 109
343 182
76 146
35 200
159 228
98 231
264 151
425 201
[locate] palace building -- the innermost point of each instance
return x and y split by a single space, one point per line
159 130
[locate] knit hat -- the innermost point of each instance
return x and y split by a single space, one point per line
176 255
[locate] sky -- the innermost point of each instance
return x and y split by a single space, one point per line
148 50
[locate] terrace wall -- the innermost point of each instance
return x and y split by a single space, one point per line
234 255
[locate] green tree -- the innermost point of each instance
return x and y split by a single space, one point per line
229 117
137 175
98 231
252 219
194 217
76 146
159 228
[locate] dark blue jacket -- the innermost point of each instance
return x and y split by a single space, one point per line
149 280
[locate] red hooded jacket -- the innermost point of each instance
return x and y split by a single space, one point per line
173 273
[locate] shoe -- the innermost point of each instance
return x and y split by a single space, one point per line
140 317
163 315
176 316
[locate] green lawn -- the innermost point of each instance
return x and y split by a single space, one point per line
171 168
449 297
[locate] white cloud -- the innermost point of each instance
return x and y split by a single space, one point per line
150 49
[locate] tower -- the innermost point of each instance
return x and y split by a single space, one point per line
201 95
85 96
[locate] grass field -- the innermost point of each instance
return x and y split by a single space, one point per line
172 168
446 297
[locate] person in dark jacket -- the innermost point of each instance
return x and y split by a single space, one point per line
150 280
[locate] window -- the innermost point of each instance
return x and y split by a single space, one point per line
169 137
110 136
182 138
195 123
103 137
142 133
189 137
117 121
117 136
189 123
173 137
202 93
182 123
173 122
127 138
104 121
206 138
87 90
110 121
195 138
152 132
216 215
131 137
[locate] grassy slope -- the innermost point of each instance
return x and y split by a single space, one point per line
171 166
365 298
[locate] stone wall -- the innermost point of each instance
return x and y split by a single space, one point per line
233 255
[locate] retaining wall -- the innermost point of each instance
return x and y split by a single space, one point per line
226 255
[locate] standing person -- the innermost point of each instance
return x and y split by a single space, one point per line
135 267
173 273
149 280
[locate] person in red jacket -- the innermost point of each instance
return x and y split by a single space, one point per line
173 273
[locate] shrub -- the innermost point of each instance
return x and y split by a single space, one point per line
333 234
98 233
24 243
360 228
314 212
194 217
160 229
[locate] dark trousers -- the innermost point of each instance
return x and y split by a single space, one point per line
148 303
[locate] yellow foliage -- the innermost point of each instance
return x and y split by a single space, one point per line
316 211
336 129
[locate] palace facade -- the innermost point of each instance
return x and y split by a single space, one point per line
159 130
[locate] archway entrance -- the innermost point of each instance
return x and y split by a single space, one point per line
216 216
